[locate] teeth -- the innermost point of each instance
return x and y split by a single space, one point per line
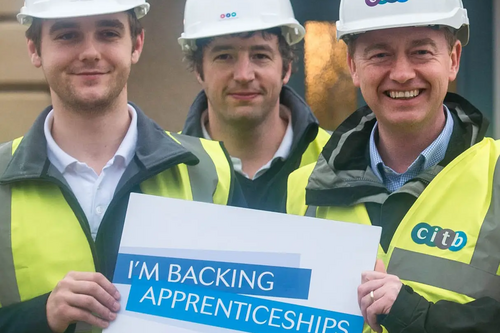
404 94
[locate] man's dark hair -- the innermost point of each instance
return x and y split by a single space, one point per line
288 52
34 32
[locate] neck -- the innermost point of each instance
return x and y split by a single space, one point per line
400 148
254 145
91 137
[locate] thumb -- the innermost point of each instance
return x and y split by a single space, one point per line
379 266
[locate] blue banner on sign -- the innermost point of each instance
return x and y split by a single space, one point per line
262 280
232 311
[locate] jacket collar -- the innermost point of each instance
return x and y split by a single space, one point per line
154 148
342 175
304 123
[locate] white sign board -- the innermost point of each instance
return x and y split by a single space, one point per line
194 267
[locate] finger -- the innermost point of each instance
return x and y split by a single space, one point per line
365 288
91 305
371 314
382 303
371 275
77 314
364 303
388 293
99 279
97 292
379 266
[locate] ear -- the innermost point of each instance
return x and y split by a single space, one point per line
138 46
455 56
352 69
288 73
198 76
35 58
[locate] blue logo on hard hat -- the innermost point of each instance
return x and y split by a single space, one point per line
228 15
373 3
444 239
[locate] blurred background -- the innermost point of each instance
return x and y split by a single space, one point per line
162 86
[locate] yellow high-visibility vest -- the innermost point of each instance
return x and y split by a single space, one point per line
41 238
447 247
315 147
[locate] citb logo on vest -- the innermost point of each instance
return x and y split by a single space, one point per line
445 239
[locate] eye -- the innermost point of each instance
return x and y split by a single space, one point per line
110 34
223 57
262 56
379 55
422 52
67 36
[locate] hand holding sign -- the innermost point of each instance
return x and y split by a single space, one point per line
377 293
82 296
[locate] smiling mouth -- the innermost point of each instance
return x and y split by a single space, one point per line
407 94
244 93
244 96
89 74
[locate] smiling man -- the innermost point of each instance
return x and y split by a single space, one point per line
64 186
413 161
242 55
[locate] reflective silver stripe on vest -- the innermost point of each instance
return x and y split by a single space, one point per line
9 293
311 211
487 255
444 273
203 176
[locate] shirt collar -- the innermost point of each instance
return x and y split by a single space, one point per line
429 157
286 144
62 160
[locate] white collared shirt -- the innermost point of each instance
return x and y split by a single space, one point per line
93 192
282 153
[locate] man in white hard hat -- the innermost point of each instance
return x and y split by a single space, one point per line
64 186
415 162
242 54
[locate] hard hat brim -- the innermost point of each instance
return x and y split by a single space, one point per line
80 9
190 39
457 20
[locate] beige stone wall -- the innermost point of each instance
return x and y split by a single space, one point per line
159 84
22 87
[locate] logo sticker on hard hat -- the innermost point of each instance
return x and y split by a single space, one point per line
228 15
373 3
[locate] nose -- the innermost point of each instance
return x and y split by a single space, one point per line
402 70
243 70
90 51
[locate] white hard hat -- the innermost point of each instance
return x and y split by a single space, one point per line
358 16
52 9
211 18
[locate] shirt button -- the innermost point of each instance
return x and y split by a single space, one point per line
99 210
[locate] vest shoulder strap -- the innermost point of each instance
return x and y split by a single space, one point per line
9 293
296 192
211 177
315 148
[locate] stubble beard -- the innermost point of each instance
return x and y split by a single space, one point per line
69 97
253 118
